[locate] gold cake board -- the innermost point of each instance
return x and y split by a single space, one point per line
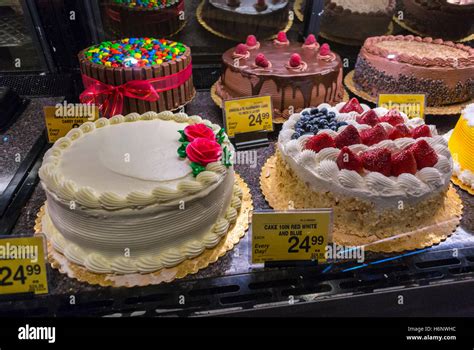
283 191
414 31
462 185
203 23
185 268
276 119
441 110
298 10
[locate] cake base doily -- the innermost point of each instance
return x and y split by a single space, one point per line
277 119
406 26
187 267
462 185
203 23
351 42
441 110
298 10
274 183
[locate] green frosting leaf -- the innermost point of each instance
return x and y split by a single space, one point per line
197 168
226 157
220 136
183 137
182 149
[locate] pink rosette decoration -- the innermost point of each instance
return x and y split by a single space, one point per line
296 63
281 39
325 54
241 51
252 42
195 131
203 151
310 43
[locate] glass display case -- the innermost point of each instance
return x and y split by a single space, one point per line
370 107
20 49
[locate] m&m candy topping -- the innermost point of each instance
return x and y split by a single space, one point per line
135 52
150 4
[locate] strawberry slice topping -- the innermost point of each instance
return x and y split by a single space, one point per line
393 117
424 154
369 118
403 162
318 142
378 160
349 160
352 105
399 131
349 136
421 131
374 135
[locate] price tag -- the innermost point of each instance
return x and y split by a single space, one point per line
413 105
248 115
290 235
61 118
22 265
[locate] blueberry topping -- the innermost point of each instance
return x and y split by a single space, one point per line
324 110
332 114
314 111
295 136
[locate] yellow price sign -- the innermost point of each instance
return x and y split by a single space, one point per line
22 265
413 105
61 118
291 235
248 115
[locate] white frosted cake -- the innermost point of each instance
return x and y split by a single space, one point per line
140 192
379 170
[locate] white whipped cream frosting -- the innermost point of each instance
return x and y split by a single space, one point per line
101 205
321 173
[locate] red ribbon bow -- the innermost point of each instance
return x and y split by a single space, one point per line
109 98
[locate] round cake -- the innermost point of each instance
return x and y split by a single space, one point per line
239 18
461 145
382 173
450 20
140 192
165 66
352 19
442 70
136 18
295 75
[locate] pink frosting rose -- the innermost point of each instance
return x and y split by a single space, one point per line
203 151
195 131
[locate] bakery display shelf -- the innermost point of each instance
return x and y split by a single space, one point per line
425 280
232 285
